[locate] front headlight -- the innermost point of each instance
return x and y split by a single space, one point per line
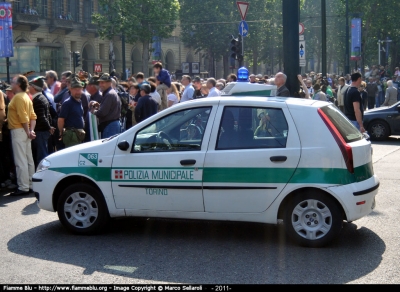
43 165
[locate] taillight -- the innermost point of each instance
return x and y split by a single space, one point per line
347 152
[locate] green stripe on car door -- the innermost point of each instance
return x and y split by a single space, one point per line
336 176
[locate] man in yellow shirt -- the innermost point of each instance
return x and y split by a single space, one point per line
22 122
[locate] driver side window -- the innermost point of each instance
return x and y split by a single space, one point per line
180 131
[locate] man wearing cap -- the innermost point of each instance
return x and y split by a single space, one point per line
43 128
9 93
197 88
22 123
146 106
70 119
109 111
93 89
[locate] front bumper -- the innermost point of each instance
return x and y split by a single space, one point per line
44 184
358 199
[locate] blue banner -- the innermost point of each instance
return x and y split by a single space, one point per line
6 35
356 39
156 48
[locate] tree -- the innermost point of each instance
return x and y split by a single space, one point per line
207 26
265 33
139 21
111 22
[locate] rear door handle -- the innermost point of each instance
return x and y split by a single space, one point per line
188 162
278 158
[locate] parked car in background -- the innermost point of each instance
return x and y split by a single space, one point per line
383 122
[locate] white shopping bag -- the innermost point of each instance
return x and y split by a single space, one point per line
93 123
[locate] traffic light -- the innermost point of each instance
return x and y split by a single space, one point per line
239 52
77 59
235 51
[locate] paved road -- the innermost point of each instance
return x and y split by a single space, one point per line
35 248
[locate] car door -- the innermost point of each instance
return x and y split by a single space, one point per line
393 119
164 168
253 153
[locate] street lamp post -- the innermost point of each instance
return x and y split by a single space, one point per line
380 48
347 63
323 35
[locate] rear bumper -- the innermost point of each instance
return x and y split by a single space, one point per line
358 199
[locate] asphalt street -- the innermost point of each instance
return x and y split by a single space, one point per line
35 248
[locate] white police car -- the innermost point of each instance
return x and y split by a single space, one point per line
255 159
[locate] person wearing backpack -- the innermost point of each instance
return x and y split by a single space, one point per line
109 111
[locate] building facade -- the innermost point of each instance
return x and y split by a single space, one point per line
46 31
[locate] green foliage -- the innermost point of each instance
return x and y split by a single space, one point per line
139 20
207 25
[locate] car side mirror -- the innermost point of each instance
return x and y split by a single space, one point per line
124 145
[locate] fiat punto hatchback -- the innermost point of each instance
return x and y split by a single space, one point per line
233 158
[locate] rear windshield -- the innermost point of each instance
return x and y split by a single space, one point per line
344 126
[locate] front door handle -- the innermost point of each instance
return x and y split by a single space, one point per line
278 158
188 162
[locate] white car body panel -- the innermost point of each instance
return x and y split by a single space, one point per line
312 153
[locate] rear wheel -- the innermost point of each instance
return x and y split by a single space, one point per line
313 219
82 210
379 130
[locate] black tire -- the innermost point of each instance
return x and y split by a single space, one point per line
318 233
80 205
378 130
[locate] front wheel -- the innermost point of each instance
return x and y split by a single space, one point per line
313 219
379 131
82 210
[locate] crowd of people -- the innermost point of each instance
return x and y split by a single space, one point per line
51 113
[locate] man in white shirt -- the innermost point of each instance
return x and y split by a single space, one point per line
189 89
49 96
211 85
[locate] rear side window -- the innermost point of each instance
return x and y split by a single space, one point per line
252 128
342 124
